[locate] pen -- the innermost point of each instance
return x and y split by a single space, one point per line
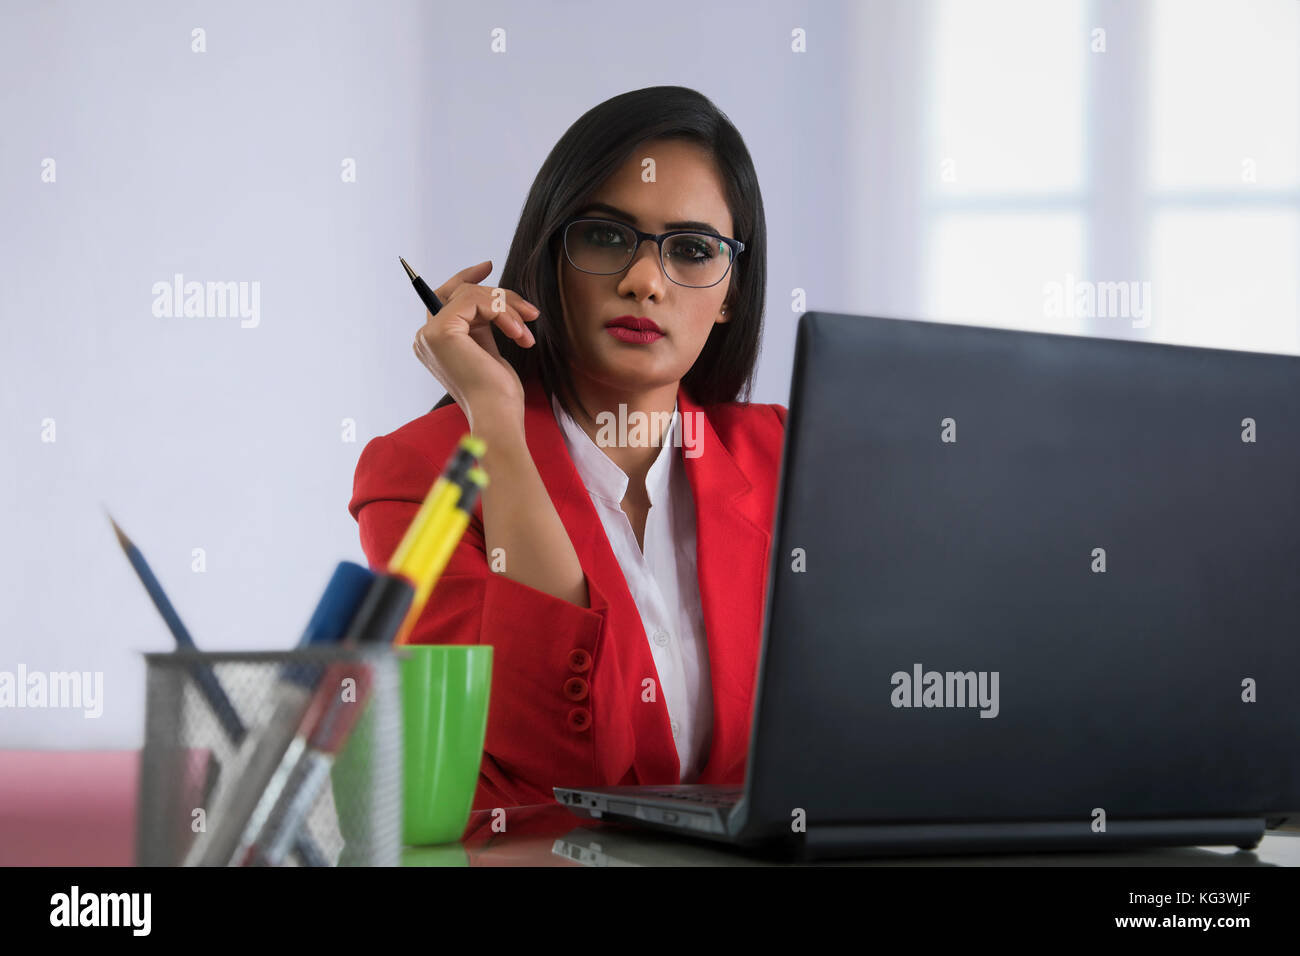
288 797
422 288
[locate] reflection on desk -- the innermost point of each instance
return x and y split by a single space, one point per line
551 835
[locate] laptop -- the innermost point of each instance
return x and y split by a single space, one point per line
1049 600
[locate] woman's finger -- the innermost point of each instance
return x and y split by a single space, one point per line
494 308
472 275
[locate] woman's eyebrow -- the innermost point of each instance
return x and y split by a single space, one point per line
615 211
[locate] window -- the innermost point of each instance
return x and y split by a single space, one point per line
1223 202
1122 169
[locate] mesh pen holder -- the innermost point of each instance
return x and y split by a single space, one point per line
209 720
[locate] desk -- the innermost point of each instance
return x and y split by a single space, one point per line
551 835
77 808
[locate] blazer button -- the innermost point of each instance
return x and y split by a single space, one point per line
575 688
579 661
579 718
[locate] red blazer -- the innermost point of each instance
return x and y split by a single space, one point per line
566 705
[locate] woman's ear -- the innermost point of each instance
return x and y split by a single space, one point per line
728 308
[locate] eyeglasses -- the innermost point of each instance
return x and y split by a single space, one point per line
603 247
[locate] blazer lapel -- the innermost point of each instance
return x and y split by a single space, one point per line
732 550
732 555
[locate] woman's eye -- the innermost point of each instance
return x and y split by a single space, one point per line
692 250
604 236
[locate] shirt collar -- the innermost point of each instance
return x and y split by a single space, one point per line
605 479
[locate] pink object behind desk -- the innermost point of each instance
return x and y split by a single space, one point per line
68 807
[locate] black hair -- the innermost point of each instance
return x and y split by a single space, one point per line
588 153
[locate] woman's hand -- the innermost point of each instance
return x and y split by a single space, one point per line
519 517
456 344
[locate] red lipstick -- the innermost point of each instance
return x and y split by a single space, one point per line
637 330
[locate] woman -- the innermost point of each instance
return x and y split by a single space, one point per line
617 560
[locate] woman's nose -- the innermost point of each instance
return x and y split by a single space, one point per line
645 268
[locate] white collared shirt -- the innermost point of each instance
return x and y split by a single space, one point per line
663 580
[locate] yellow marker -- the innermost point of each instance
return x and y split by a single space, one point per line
438 544
421 564
437 505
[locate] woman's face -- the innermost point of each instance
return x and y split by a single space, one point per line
686 188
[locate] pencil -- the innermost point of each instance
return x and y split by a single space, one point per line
207 681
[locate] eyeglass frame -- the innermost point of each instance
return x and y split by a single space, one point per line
735 245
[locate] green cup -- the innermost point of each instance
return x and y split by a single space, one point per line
445 691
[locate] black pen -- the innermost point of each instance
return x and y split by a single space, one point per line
422 289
